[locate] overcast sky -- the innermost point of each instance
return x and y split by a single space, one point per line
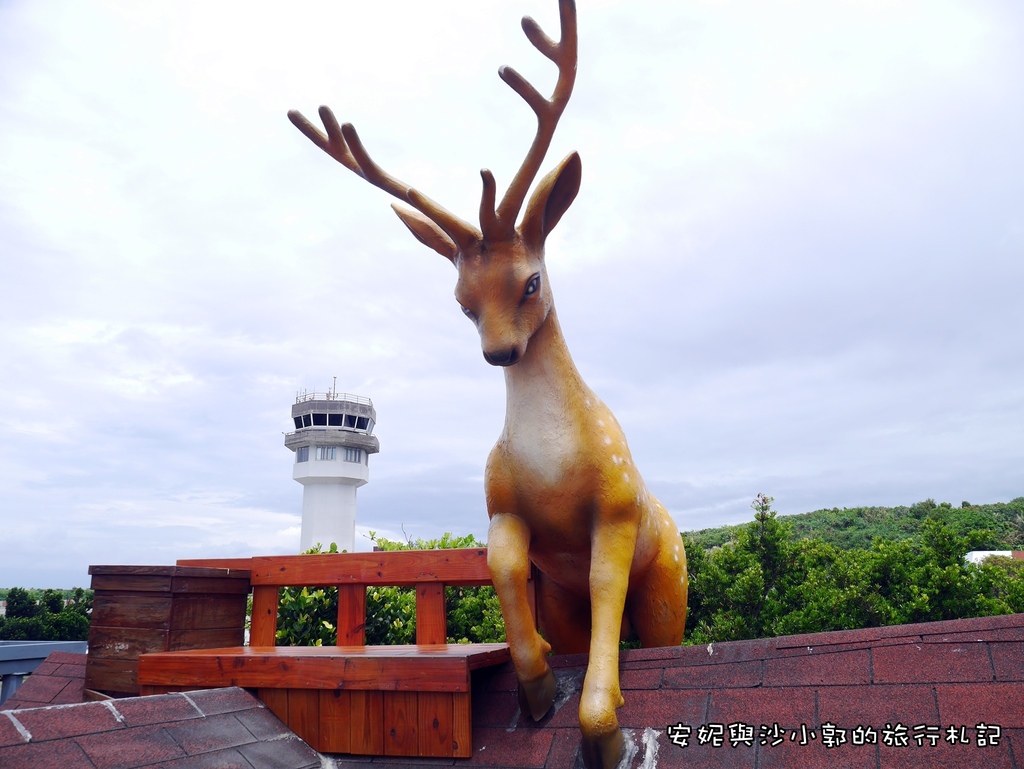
794 267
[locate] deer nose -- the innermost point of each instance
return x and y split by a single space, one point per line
502 357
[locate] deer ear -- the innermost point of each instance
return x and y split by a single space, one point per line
551 199
427 233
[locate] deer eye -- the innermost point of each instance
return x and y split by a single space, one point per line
532 286
468 313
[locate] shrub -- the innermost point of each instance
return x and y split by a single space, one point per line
306 616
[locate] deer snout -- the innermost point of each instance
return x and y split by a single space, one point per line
505 357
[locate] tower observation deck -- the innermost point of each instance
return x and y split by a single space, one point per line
332 441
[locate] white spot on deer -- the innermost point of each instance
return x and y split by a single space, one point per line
625 477
616 459
607 440
600 423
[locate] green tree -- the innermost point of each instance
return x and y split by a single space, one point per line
740 588
765 583
306 616
19 604
474 614
48 620
52 601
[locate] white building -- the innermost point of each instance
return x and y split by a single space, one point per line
332 441
979 556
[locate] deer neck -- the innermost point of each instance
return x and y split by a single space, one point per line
545 385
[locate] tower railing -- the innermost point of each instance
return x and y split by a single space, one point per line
305 396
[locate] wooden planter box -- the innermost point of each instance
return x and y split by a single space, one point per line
140 609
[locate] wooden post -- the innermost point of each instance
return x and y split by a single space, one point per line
431 623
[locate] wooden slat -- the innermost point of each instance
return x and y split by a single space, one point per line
241 564
351 615
213 567
464 566
263 629
217 586
400 724
434 718
126 643
132 582
191 611
112 675
276 700
431 624
462 725
142 610
367 732
304 715
335 721
178 640
404 668
128 569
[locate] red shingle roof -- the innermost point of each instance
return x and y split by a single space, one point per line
881 697
947 694
58 680
213 729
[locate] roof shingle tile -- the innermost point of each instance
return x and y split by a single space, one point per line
147 744
210 733
61 721
65 754
924 662
159 709
819 669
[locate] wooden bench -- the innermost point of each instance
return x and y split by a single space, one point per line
411 700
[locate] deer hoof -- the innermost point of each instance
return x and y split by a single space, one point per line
536 697
603 752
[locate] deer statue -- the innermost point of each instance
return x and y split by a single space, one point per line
561 488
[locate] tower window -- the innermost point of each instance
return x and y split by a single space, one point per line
298 422
334 420
326 452
319 420
362 423
302 454
353 455
306 420
350 420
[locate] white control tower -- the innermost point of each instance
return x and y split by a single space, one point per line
332 441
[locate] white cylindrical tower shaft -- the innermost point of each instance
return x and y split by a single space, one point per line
332 442
328 515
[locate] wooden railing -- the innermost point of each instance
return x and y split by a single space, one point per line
409 700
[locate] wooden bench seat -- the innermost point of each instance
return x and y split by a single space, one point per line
411 700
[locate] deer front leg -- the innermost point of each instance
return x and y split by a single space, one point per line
508 547
613 545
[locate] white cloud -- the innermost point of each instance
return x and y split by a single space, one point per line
792 267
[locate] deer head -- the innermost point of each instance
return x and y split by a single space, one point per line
502 285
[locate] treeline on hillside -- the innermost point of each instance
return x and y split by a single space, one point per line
998 526
764 581
54 615
767 582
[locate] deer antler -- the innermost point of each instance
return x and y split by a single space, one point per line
499 224
342 143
